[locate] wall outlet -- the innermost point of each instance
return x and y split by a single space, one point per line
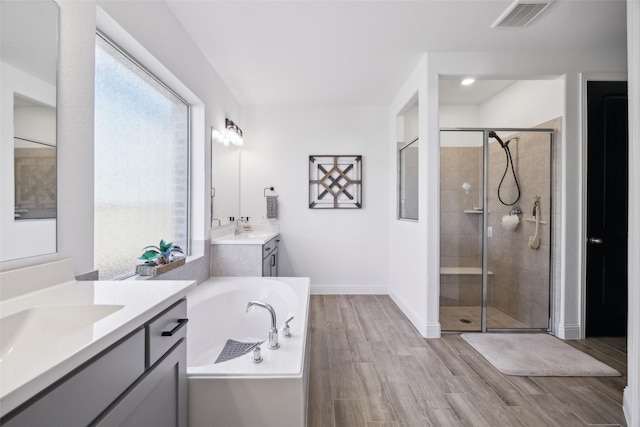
489 231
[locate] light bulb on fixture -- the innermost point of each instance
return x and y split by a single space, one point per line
468 81
231 134
218 137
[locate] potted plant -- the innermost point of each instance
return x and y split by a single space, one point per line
160 259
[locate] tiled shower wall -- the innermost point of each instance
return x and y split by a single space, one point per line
519 285
460 242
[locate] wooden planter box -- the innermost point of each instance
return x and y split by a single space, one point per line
146 270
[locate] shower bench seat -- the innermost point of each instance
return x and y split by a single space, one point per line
461 286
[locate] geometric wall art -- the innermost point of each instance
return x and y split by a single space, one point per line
335 182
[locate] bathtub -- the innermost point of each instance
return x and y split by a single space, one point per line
238 392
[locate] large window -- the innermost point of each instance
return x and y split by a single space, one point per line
141 163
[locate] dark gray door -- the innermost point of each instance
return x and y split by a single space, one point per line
607 208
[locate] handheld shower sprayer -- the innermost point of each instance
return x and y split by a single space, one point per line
495 136
507 153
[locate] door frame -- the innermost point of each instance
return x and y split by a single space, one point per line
582 238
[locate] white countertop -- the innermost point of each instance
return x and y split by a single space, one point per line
258 235
47 333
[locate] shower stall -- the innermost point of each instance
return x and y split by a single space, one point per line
496 248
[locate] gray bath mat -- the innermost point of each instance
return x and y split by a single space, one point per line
233 349
536 355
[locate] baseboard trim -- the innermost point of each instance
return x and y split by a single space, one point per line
569 332
627 404
434 330
348 290
425 329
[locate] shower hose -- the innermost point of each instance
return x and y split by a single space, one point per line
507 153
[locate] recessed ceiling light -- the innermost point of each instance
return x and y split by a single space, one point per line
468 81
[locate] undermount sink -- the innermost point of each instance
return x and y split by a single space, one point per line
252 235
40 326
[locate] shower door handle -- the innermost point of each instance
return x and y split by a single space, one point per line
595 240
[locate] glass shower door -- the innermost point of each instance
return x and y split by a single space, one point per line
461 229
518 242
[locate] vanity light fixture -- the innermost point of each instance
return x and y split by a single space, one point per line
232 134
467 81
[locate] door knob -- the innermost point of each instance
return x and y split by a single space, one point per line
595 240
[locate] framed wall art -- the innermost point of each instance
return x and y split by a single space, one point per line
335 182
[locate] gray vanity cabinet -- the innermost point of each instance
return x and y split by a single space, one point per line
249 259
157 399
139 381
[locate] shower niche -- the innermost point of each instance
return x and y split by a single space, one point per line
495 228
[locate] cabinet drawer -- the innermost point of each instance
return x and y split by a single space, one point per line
165 331
89 391
268 247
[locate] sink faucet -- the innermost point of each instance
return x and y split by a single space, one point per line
273 332
236 232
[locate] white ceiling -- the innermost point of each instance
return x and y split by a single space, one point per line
350 52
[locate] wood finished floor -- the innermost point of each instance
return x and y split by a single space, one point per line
371 368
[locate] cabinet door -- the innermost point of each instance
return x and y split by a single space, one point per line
158 399
266 267
270 265
274 263
81 397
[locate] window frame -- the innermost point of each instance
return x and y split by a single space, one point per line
188 211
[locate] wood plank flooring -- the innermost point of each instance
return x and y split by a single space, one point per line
371 368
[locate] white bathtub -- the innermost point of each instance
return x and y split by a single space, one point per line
237 392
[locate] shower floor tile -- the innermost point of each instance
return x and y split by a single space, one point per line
469 319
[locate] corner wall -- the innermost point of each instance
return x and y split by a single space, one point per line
413 258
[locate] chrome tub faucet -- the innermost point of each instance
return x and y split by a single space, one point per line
273 332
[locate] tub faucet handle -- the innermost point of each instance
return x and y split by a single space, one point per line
286 332
256 357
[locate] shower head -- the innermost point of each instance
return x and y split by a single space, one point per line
492 134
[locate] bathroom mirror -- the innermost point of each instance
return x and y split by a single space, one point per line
29 65
225 183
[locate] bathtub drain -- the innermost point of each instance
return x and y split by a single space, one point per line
233 349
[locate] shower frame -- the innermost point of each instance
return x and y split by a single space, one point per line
485 221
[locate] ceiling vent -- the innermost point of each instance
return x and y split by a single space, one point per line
521 12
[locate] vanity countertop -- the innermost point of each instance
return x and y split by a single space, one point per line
47 333
258 235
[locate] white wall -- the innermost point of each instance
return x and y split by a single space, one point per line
411 254
341 250
166 42
524 104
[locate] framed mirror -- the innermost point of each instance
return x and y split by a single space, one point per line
225 183
28 97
